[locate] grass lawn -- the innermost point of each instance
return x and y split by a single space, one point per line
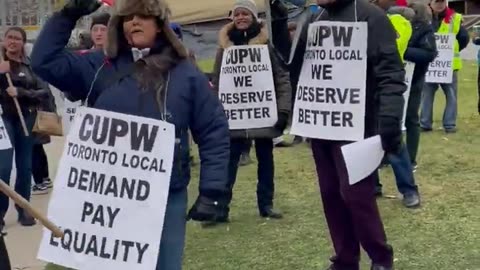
443 235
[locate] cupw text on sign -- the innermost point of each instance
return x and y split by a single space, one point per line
328 106
114 172
246 87
440 70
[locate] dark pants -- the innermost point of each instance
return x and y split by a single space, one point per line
4 259
351 210
173 234
247 146
39 164
265 170
23 147
412 119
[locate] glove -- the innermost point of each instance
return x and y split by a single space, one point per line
79 8
209 206
390 133
282 122
278 10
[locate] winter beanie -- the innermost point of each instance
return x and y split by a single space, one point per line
101 18
247 4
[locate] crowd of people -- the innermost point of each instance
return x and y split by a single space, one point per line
133 61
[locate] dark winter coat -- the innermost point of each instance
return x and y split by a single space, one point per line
190 103
385 72
32 91
422 48
283 90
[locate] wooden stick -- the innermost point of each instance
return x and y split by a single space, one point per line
21 202
15 100
19 111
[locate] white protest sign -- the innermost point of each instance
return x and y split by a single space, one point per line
409 69
246 87
69 110
441 69
330 101
110 192
4 139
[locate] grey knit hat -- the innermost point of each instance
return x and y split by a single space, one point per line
247 4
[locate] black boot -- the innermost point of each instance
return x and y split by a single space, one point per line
269 212
24 218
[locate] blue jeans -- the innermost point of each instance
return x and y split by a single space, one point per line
450 112
403 170
173 234
265 170
23 147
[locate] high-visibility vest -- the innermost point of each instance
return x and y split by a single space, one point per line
403 27
453 28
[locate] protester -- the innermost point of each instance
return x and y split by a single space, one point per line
351 210
246 29
476 41
40 170
98 30
422 50
147 61
29 90
445 21
399 14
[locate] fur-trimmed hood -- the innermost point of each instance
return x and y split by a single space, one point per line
406 12
157 8
225 42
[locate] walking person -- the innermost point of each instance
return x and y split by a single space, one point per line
445 21
152 78
30 91
40 171
246 29
400 16
351 210
421 50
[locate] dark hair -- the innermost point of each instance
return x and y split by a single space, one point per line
18 29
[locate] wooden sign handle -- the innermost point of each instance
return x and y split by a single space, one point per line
15 100
21 202
19 111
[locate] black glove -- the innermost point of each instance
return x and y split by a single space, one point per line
282 122
391 134
209 206
79 8
278 10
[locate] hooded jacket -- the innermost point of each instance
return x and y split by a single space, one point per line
163 81
385 73
283 90
422 48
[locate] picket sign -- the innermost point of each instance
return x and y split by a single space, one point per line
409 69
440 70
331 93
69 110
4 139
246 87
111 192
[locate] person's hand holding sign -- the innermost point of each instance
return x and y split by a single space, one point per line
12 91
79 8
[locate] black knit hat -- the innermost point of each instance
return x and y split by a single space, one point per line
101 18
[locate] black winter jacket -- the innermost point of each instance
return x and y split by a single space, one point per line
385 72
422 48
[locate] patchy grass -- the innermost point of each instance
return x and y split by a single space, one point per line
443 235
